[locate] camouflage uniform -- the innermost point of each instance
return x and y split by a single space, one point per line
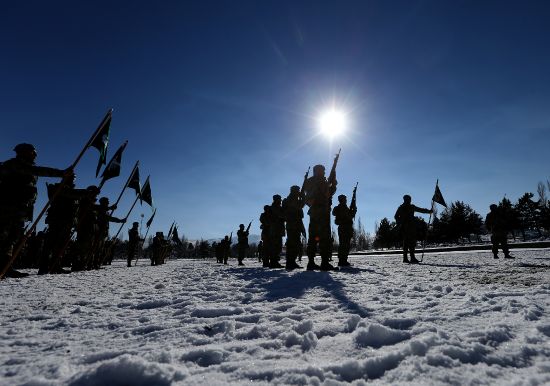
318 193
496 224
404 217
343 217
86 231
293 211
18 177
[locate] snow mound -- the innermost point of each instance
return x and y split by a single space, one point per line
376 335
216 312
205 357
126 370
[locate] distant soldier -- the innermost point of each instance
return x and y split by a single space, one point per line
133 242
343 217
86 230
242 242
260 251
318 196
218 252
496 223
103 220
406 223
61 219
226 249
18 194
265 221
276 232
293 211
158 248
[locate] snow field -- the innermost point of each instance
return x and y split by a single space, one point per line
461 318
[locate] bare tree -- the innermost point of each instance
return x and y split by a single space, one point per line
541 190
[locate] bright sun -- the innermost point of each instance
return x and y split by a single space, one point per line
332 123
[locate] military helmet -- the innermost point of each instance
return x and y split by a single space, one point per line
295 188
276 197
342 198
135 223
241 225
93 189
407 198
104 200
22 147
318 168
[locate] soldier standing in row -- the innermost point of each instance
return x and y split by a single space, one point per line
343 217
242 242
265 221
260 251
226 248
86 230
293 211
158 248
61 219
496 223
318 196
133 242
406 223
277 232
103 220
18 177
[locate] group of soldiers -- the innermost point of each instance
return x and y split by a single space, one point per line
285 217
71 212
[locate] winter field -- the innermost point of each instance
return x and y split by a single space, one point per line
461 318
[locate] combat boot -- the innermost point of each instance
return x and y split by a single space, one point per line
275 264
15 274
311 266
405 260
326 266
343 263
508 256
414 261
495 256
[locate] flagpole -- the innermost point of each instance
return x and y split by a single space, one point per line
125 186
27 233
429 222
126 218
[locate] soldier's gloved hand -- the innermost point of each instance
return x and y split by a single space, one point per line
68 173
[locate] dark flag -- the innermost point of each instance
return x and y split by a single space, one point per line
438 197
171 229
133 181
175 236
101 141
113 167
146 193
150 221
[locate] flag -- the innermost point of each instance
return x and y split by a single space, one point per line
175 236
438 197
146 193
133 180
150 221
171 229
101 140
113 167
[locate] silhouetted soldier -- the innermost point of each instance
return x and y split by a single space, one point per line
318 193
343 217
103 220
496 224
218 252
406 223
293 211
18 193
133 242
242 243
276 232
158 249
260 251
61 218
226 249
265 221
86 230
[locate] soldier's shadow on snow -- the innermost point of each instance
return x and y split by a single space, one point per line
279 284
464 266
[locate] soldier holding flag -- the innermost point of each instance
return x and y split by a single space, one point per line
404 217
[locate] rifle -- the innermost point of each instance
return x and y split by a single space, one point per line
305 179
332 177
353 204
248 227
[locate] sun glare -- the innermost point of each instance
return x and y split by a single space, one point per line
332 123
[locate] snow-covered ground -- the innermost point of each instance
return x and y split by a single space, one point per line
461 318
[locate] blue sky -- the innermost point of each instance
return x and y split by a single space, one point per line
219 100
